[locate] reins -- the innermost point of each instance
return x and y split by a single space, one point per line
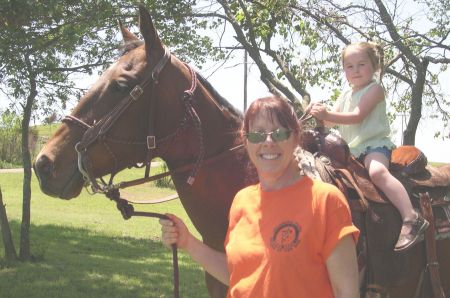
127 211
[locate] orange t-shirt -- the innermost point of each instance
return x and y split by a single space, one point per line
278 242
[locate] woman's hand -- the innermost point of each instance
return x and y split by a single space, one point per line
174 231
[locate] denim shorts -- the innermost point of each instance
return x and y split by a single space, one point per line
383 150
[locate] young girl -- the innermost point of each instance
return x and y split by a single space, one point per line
361 117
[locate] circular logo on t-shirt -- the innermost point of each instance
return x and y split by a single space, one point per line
286 236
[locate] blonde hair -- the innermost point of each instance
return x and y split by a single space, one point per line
373 50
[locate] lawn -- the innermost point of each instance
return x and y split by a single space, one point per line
46 130
84 248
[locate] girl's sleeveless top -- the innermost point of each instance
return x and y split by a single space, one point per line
373 131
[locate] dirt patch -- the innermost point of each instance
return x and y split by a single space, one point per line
11 170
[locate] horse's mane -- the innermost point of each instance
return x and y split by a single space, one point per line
219 98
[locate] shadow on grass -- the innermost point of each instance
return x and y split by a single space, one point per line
70 262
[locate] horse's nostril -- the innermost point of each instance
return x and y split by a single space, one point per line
43 166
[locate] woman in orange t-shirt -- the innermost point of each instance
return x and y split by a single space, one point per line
288 235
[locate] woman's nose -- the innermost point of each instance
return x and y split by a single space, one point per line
269 138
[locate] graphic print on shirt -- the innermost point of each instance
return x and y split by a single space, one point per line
285 236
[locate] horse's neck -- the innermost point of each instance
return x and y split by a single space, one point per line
218 131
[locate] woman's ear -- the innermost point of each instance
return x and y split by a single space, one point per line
244 140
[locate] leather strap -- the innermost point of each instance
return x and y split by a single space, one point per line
430 246
362 202
99 130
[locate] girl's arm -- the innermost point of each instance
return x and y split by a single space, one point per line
319 111
342 269
368 102
174 231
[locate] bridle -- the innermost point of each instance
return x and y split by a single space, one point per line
98 132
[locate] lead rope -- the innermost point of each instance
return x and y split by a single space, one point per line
127 211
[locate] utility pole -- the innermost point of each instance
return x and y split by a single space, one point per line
245 80
245 71
403 117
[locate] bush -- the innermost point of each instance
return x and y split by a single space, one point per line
11 140
8 165
165 182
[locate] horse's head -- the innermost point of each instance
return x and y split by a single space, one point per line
108 130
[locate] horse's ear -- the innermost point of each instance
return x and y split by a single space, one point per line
126 34
148 30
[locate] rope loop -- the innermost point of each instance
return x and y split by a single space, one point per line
188 95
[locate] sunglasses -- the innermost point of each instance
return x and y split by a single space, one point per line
277 135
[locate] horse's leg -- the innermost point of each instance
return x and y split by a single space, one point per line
395 272
417 266
216 289
409 287
443 254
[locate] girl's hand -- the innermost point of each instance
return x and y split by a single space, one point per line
174 231
318 110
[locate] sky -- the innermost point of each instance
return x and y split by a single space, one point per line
229 82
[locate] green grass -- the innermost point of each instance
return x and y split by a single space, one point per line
46 130
84 248
436 164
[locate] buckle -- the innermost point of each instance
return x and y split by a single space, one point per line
136 92
151 142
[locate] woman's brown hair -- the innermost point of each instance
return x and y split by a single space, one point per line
276 108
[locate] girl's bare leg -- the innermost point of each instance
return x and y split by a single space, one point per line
377 165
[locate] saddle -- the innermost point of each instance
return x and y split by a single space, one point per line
326 156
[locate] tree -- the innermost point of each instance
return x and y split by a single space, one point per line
10 251
44 43
296 45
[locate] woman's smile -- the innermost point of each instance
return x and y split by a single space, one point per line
269 156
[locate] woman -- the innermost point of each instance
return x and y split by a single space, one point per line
289 235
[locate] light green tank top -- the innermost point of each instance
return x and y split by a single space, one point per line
373 131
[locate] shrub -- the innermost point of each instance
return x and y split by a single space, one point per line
165 182
10 139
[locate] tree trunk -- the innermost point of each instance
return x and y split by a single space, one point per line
409 135
10 251
24 253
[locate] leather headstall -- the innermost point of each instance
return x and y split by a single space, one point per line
98 131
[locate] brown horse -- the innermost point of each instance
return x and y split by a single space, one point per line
184 127
150 104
